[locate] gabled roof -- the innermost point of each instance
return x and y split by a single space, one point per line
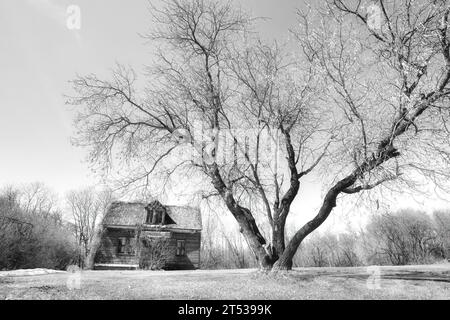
134 213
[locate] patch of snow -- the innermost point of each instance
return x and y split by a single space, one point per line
28 272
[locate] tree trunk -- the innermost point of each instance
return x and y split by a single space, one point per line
249 229
285 260
254 238
278 243
95 244
245 219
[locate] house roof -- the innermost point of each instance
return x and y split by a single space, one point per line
133 213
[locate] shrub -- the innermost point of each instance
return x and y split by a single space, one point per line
400 238
32 238
155 253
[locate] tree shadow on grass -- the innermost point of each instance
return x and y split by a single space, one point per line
406 275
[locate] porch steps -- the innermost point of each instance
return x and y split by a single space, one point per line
115 266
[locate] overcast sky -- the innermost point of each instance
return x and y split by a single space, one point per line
39 54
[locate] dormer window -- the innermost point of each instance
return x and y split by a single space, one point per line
149 216
157 214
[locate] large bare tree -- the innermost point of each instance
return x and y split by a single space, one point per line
363 100
87 208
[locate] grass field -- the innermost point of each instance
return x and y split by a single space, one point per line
406 282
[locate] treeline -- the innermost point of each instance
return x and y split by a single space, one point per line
227 251
223 246
33 233
37 230
399 238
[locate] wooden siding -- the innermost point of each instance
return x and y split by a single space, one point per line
108 251
192 245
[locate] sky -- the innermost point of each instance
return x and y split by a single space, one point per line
40 52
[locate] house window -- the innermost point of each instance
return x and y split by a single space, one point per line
121 247
181 247
125 246
149 216
156 216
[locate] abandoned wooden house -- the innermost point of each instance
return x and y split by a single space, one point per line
149 236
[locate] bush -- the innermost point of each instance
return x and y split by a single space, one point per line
404 237
32 239
155 253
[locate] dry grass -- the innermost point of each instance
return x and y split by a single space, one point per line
409 282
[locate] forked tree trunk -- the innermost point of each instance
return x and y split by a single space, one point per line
256 241
279 226
285 260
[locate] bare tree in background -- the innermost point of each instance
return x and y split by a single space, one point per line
442 221
210 256
32 231
363 102
88 207
37 198
404 237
